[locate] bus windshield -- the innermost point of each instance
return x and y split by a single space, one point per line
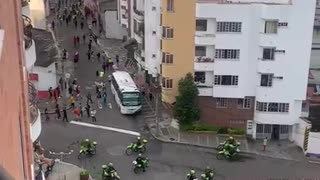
131 99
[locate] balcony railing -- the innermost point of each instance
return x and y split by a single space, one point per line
24 3
34 112
204 59
27 26
139 13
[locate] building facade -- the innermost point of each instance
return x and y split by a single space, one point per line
250 58
19 114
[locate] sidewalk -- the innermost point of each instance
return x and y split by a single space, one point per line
169 134
65 171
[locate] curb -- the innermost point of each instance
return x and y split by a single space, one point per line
209 147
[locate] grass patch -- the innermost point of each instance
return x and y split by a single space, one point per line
209 128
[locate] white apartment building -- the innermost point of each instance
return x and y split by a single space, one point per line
251 58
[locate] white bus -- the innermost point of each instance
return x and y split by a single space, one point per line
126 93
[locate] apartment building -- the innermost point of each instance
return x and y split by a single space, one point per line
250 58
18 113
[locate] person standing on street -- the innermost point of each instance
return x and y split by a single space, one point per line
72 101
89 46
50 93
74 41
52 25
265 141
46 114
93 115
65 116
104 99
58 113
89 55
88 108
78 40
98 56
84 38
117 59
81 25
89 98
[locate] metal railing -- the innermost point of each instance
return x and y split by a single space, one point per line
27 27
139 13
203 59
34 112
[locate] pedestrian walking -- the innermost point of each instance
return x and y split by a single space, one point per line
97 74
52 25
265 141
76 113
50 93
89 46
81 25
67 21
72 101
81 110
84 38
46 114
104 99
89 55
58 91
74 41
104 66
58 113
76 57
93 115
98 56
75 23
55 95
78 40
117 59
89 98
88 107
65 115
70 90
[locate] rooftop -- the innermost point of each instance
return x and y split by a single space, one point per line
45 50
272 2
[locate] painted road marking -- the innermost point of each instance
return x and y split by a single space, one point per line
124 131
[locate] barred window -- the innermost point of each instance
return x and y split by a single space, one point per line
244 103
221 102
272 107
229 26
227 53
226 80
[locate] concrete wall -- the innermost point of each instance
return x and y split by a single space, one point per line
113 29
182 20
314 144
152 23
16 150
47 77
30 56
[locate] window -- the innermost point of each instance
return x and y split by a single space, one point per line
268 53
160 44
272 107
266 80
170 5
160 19
167 83
227 53
200 77
284 129
229 26
226 80
167 32
244 103
200 51
167 58
271 27
259 128
221 102
201 25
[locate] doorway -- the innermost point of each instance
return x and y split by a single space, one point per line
275 132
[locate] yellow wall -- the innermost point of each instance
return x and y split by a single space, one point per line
181 46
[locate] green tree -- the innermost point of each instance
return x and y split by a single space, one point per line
186 109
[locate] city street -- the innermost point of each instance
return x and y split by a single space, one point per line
167 161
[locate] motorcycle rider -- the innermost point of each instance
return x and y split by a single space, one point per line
191 175
138 144
108 169
88 145
209 173
141 161
231 140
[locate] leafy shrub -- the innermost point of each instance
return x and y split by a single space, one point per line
84 172
236 131
223 130
198 127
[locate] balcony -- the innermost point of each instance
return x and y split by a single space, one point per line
139 58
27 26
139 36
205 90
35 118
204 38
138 15
203 64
